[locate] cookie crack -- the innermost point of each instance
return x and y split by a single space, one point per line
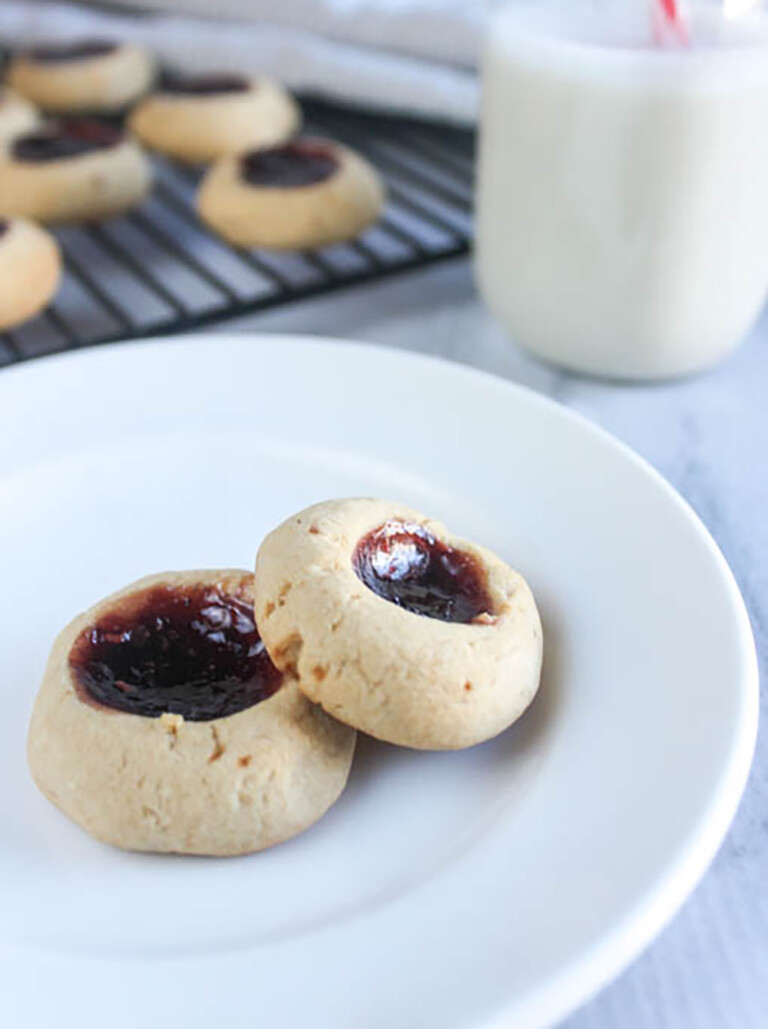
288 653
218 746
151 814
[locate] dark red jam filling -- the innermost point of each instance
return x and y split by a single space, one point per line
70 137
402 562
194 652
82 50
204 85
301 163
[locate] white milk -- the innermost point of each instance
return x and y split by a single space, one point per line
623 190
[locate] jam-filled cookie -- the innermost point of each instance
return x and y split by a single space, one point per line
91 75
304 194
17 115
76 169
30 269
198 119
397 627
162 725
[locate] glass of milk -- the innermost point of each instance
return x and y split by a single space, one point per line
623 187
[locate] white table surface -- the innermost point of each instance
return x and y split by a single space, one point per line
708 436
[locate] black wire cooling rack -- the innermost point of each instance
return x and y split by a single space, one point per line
157 270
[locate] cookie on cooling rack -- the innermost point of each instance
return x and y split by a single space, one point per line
162 725
30 269
397 627
303 194
91 75
17 115
76 169
200 118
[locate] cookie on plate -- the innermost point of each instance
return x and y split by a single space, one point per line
17 115
304 194
397 627
76 169
90 75
162 725
30 269
200 118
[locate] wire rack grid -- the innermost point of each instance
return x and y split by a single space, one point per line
157 270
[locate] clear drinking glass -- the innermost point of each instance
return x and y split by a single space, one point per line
623 186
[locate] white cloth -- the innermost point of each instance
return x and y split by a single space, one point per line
439 30
417 56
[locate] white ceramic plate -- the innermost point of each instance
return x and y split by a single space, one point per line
499 886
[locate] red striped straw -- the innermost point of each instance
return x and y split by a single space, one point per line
669 25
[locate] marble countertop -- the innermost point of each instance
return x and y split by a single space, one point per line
709 969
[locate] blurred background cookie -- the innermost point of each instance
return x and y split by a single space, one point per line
199 118
304 194
17 115
93 75
30 269
76 169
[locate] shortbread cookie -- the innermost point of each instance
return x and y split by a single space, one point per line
305 194
76 169
202 118
17 115
162 725
397 627
30 269
97 76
